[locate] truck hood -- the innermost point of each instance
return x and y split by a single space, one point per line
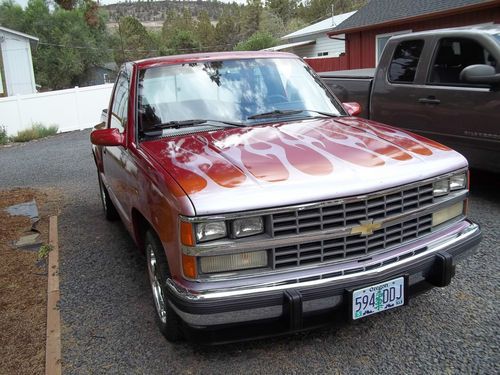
265 166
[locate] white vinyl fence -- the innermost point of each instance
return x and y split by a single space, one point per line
71 109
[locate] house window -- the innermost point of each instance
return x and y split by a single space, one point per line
322 53
405 61
381 41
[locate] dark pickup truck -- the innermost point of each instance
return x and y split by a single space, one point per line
443 84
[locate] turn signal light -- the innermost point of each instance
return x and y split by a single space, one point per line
187 237
189 266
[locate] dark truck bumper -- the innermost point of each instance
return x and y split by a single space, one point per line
268 310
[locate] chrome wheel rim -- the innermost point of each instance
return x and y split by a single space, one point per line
155 285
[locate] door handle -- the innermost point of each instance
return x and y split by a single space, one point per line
429 100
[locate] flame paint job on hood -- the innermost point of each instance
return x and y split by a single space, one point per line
304 161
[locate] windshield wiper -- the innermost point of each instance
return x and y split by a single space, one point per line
177 124
155 130
276 113
327 114
282 113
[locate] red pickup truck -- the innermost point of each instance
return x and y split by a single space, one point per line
261 203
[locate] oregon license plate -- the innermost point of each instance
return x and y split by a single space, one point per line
377 298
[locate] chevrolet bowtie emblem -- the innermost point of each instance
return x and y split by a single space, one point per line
366 227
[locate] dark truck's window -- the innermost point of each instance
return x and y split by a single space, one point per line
120 101
453 55
405 60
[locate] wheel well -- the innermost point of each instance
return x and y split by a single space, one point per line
141 225
97 164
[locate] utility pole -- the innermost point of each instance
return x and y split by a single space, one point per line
333 15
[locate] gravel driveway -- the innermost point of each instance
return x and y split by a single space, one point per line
108 317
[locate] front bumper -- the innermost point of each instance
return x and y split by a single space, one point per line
295 305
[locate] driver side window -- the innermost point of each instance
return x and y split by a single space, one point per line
455 54
120 103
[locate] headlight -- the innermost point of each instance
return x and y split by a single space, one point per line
441 187
458 181
210 231
232 262
447 213
453 183
247 226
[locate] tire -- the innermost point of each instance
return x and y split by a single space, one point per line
166 318
107 205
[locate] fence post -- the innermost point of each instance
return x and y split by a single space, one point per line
77 111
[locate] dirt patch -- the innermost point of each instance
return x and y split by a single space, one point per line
23 285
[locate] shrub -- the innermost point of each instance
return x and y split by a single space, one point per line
36 131
3 136
257 41
44 250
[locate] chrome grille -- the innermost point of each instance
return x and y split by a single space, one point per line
350 246
338 215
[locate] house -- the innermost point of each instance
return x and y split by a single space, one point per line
99 74
313 42
16 65
368 30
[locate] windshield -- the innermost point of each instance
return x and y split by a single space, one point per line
232 91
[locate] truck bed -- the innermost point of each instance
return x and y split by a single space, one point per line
351 86
367 73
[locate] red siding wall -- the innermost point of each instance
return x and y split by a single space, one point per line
328 64
360 46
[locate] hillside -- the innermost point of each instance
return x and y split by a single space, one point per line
153 12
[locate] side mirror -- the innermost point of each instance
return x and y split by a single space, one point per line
479 73
107 137
352 108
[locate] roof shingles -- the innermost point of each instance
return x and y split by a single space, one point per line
382 11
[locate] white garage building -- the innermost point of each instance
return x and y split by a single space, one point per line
16 66
312 41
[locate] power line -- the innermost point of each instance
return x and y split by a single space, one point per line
134 49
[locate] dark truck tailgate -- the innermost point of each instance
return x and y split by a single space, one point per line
351 86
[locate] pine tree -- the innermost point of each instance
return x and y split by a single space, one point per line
205 31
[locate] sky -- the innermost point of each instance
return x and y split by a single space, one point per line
104 2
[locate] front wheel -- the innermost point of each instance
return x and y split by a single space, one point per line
166 318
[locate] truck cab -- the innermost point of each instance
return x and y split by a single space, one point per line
443 84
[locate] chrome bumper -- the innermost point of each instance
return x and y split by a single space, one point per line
425 269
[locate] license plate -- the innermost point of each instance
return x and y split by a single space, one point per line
376 298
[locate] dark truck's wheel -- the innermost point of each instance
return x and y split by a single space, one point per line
107 205
166 318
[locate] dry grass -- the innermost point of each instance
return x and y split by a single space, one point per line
23 287
3 136
35 132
